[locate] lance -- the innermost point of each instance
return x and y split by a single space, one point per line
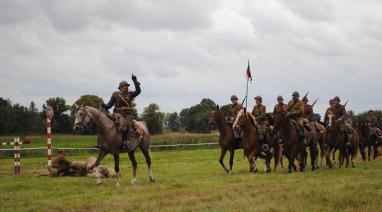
315 102
305 95
346 102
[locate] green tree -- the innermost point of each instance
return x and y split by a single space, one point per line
154 118
195 118
173 121
90 100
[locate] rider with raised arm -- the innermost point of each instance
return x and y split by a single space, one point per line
122 101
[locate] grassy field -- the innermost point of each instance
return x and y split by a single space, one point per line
73 140
192 180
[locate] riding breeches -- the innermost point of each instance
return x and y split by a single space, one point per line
123 122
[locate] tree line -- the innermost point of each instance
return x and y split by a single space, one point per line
16 119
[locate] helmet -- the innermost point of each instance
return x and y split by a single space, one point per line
280 97
234 97
123 83
295 93
337 98
259 98
305 99
331 101
371 111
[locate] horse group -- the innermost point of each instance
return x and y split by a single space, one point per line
284 141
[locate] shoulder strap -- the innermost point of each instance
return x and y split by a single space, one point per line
123 98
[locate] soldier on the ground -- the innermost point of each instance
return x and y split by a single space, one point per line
295 111
259 112
122 101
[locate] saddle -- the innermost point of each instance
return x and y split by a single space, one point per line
136 129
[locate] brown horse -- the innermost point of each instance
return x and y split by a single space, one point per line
293 149
109 139
336 138
322 141
251 144
226 137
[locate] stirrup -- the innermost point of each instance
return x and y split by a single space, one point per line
265 147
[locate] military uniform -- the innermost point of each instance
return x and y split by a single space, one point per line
329 111
308 112
372 121
260 112
340 116
279 108
296 111
123 107
233 111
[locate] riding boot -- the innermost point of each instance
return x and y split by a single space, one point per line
301 135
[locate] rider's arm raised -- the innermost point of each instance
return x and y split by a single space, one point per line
137 88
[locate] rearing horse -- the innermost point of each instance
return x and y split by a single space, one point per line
109 139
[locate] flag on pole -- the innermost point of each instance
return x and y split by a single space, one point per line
248 73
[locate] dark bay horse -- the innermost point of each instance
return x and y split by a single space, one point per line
336 139
251 144
226 137
109 139
368 139
293 149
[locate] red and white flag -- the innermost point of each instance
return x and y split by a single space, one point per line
248 73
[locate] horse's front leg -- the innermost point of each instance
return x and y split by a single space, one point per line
101 156
223 151
134 164
231 156
252 162
116 168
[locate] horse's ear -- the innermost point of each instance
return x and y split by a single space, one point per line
217 107
83 104
76 106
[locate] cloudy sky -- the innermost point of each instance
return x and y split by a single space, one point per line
183 51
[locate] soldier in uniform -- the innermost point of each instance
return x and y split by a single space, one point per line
280 107
372 121
329 111
234 109
340 117
123 112
295 111
308 114
259 112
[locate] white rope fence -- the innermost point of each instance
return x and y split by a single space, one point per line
92 148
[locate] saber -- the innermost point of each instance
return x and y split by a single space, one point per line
315 101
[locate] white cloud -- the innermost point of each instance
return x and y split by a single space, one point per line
183 51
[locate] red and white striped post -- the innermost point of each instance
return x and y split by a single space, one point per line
16 148
49 116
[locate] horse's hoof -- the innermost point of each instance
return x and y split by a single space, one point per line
133 181
152 179
230 172
99 183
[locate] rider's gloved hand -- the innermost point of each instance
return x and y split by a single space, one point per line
133 77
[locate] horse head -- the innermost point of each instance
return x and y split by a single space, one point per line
217 116
279 121
83 118
242 119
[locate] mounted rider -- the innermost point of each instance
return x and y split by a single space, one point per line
122 101
280 107
259 112
234 109
295 111
329 111
340 116
372 122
